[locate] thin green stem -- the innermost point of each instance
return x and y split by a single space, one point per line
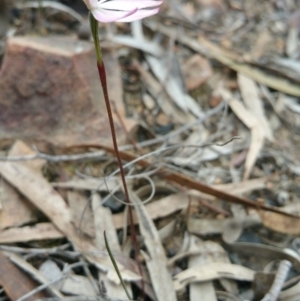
95 34
116 266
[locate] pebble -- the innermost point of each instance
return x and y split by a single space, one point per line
282 197
148 102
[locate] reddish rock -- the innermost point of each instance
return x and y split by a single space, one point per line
49 90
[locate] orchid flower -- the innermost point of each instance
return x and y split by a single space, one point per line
122 10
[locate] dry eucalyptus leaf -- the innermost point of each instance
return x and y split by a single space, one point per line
82 215
231 230
40 192
212 271
156 260
40 231
16 210
78 285
291 294
254 103
103 222
280 223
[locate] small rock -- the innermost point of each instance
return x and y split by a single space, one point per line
215 100
50 91
113 204
164 125
162 119
282 197
148 102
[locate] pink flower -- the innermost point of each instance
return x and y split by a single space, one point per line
122 10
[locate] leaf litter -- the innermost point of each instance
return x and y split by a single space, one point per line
223 210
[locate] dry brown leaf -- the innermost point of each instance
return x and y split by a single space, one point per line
191 183
16 210
88 184
24 149
78 285
158 209
51 271
266 251
239 109
209 252
164 101
212 271
256 145
250 93
282 224
206 289
167 71
211 50
249 119
82 215
243 187
41 231
221 226
263 42
103 222
32 185
232 230
290 294
156 260
256 73
293 207
176 202
15 282
196 71
292 42
205 226
167 231
33 272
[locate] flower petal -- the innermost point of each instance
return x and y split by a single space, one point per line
140 14
106 16
128 5
91 3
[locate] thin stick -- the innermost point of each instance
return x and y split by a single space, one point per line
90 276
278 283
40 288
50 158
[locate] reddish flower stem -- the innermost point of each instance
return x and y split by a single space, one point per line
102 75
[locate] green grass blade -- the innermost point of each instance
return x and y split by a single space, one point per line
116 266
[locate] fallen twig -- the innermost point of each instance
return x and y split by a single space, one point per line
280 277
189 182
